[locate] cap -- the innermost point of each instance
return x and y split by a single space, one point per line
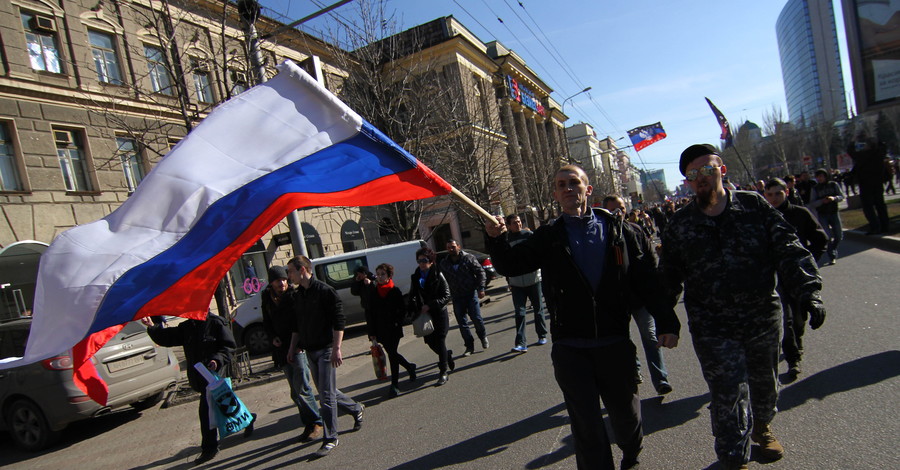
277 272
692 153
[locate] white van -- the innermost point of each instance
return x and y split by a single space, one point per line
336 271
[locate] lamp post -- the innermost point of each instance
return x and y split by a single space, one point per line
563 110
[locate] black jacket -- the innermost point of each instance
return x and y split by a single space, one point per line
318 313
810 233
278 320
435 294
576 309
203 341
384 315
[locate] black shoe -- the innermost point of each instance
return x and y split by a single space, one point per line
630 463
206 456
394 392
469 351
794 370
412 372
248 431
326 448
664 388
450 362
358 418
443 379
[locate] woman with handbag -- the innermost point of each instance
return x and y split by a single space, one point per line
430 293
385 309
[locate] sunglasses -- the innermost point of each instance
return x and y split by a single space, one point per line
707 170
423 260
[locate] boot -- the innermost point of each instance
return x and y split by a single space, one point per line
769 447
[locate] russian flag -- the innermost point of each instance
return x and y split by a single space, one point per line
643 136
283 145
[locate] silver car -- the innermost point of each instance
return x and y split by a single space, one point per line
38 400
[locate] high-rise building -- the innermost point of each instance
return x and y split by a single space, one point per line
810 62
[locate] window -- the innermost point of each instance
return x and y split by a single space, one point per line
40 36
106 61
239 82
71 160
132 163
201 80
159 74
9 174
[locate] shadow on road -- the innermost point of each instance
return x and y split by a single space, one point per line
851 375
498 440
658 414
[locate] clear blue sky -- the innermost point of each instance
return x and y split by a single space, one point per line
647 61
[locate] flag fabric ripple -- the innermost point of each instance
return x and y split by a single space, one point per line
283 145
643 136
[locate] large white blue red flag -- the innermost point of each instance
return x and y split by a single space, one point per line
643 136
283 145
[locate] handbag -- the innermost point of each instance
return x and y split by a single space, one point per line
423 325
378 361
226 411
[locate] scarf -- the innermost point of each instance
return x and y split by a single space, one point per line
383 289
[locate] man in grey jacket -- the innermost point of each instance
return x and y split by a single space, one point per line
467 281
525 287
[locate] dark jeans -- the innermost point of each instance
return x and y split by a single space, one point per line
437 341
519 296
874 208
464 306
330 397
657 364
390 347
587 375
794 327
300 381
209 438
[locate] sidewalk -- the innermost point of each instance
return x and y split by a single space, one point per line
884 242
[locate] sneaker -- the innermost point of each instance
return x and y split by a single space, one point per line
664 388
485 343
630 463
519 349
412 372
206 456
469 351
638 378
358 417
451 364
542 341
769 447
311 433
394 392
326 448
442 379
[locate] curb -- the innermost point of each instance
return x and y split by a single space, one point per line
885 242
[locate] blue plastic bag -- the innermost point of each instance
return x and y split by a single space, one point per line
226 411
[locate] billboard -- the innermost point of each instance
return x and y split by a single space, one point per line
873 37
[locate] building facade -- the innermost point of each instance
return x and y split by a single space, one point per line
810 62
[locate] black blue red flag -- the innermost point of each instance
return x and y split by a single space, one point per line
643 136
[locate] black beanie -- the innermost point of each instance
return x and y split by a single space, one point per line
277 272
691 153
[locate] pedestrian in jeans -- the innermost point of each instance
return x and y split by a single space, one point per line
525 287
824 198
467 281
319 331
278 320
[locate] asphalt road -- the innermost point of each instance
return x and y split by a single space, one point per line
504 411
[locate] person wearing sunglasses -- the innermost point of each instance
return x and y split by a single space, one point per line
430 293
591 262
725 248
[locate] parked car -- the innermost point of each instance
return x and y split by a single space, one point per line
336 271
483 258
38 400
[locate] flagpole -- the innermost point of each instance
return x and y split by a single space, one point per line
474 205
741 159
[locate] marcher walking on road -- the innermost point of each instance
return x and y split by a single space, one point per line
868 166
278 320
467 280
726 247
590 261
429 293
524 288
319 331
824 199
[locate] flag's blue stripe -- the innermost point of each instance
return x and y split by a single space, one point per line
363 158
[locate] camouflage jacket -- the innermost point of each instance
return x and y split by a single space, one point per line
728 263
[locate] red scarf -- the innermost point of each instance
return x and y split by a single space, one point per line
383 289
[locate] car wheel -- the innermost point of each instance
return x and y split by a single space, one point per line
28 426
149 402
256 340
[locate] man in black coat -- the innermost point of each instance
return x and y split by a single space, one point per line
868 167
591 262
210 343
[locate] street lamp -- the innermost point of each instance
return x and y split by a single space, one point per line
587 89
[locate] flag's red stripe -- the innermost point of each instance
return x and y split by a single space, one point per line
85 374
